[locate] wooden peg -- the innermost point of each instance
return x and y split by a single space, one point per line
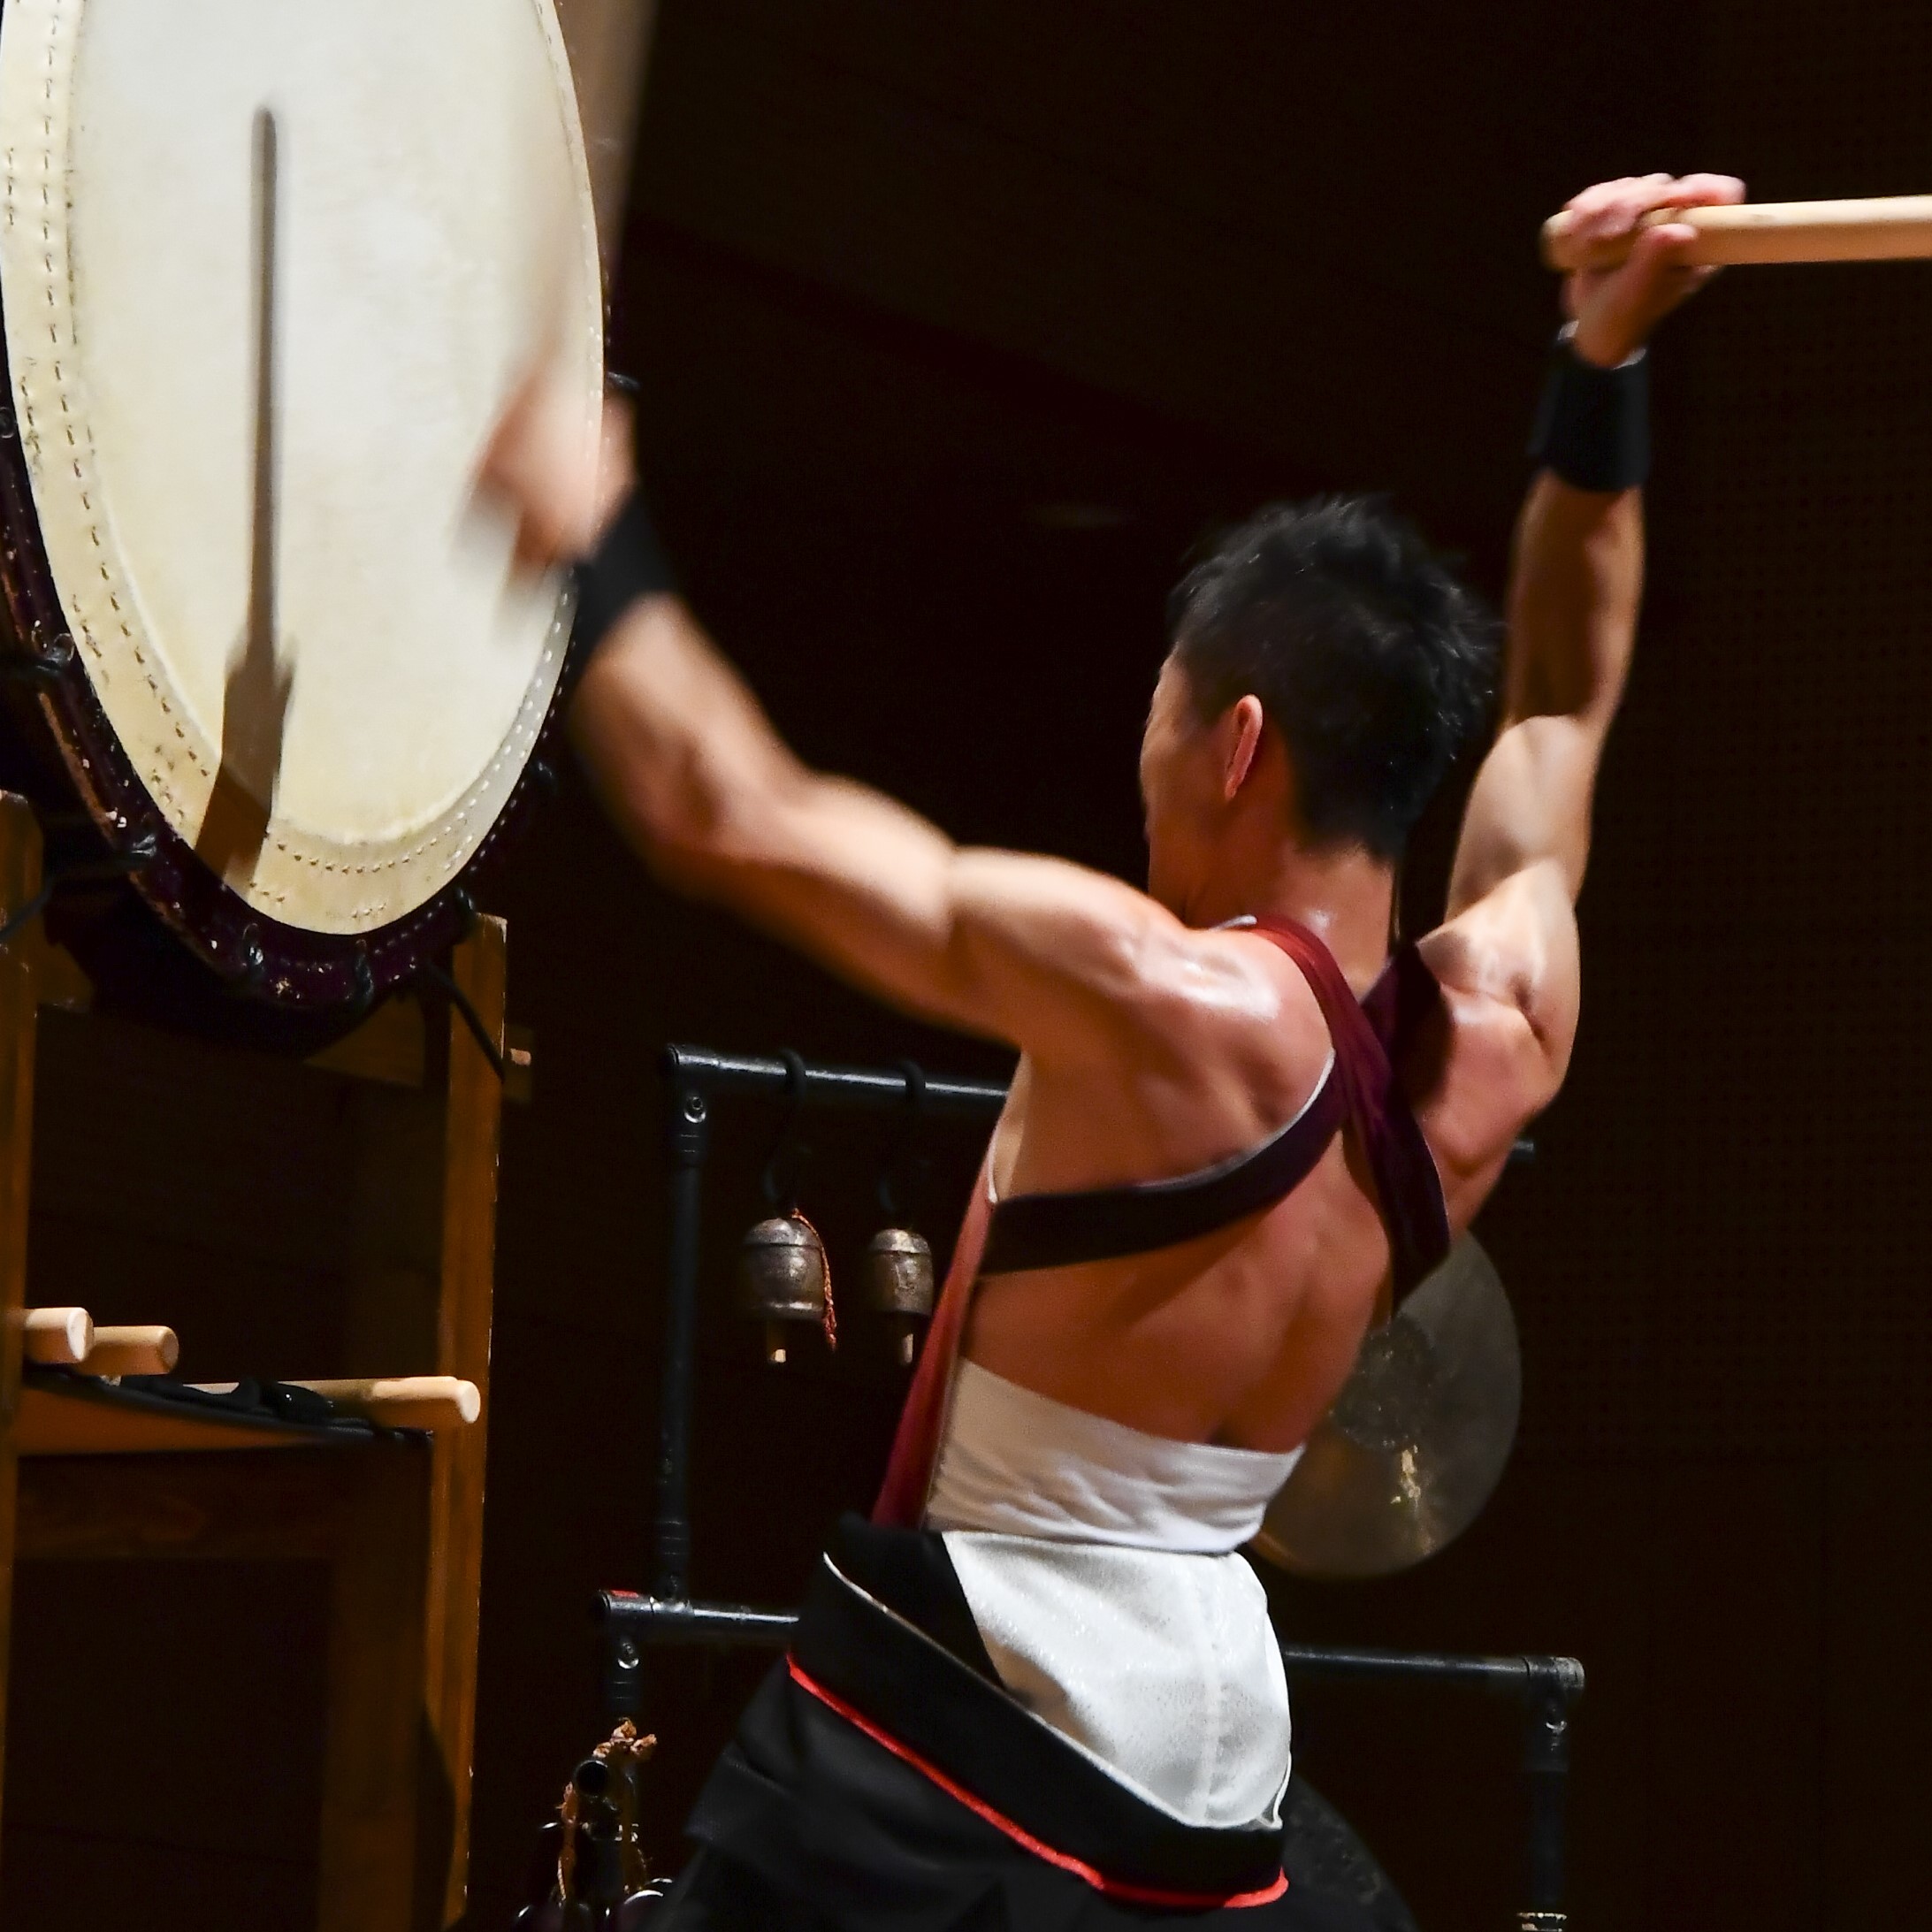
133 1351
406 1402
58 1337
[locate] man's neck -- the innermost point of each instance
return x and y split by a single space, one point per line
1344 897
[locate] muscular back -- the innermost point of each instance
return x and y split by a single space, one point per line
1244 1337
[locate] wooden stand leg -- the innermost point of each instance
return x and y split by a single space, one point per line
424 1247
372 1803
462 1348
402 1518
19 880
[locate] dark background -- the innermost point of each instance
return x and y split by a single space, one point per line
958 324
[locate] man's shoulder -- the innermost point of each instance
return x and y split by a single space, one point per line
1266 1030
1220 1013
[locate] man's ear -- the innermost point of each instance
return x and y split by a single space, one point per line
1240 735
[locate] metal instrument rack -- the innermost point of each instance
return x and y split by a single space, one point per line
694 1077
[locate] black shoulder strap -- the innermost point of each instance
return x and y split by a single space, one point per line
1102 1224
1372 1040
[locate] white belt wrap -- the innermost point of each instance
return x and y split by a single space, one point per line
1100 1566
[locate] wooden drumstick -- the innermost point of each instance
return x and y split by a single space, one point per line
133 1351
406 1402
1884 228
58 1337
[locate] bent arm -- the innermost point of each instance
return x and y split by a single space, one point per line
1576 587
1041 954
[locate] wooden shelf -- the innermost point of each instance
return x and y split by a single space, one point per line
79 1415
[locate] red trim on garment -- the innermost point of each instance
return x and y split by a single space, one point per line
922 1420
1114 1888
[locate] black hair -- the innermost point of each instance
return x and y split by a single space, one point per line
1371 658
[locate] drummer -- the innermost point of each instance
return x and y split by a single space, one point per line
1043 1675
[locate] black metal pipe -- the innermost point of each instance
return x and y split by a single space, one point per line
656 1620
878 1089
1545 1764
687 1133
1507 1676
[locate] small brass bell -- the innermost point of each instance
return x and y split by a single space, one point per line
899 1283
782 1278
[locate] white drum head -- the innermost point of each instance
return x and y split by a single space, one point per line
271 270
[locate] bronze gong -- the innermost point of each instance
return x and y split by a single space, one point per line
1414 1446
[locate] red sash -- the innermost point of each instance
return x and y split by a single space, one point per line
922 1422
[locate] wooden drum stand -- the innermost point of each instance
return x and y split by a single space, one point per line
396 1515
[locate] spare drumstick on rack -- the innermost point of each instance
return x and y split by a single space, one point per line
58 1337
407 1402
399 1402
1885 228
66 1338
133 1351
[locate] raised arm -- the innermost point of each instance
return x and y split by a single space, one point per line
1042 954
1575 586
1037 952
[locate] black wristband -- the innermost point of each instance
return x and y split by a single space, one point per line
628 563
1592 426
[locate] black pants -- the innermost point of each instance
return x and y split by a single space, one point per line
840 1805
1335 1885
